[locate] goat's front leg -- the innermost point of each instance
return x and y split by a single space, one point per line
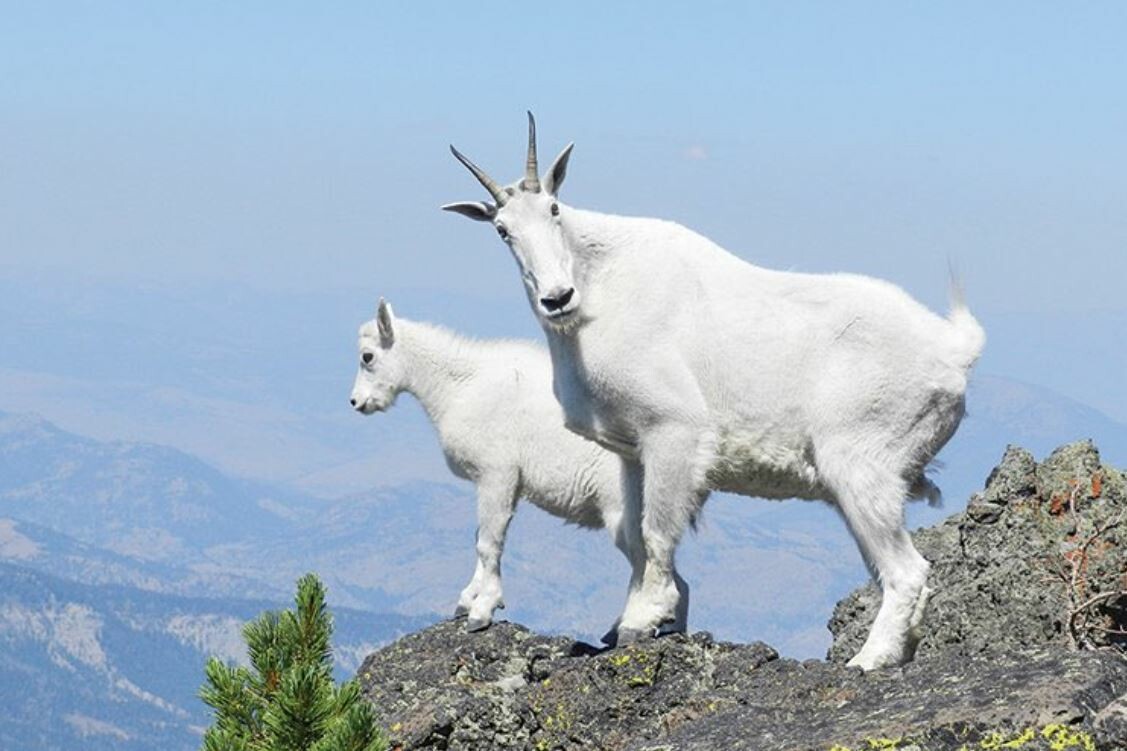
672 493
625 527
496 502
626 530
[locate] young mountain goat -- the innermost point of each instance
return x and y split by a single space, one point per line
492 405
716 374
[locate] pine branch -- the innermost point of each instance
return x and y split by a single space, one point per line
287 700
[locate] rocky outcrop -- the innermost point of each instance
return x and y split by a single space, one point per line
997 668
1012 569
442 688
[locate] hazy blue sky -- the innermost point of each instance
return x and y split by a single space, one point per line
215 190
297 145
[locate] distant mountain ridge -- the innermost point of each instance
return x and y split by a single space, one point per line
43 549
137 499
113 667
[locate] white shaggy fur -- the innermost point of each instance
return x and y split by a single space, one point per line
716 374
499 425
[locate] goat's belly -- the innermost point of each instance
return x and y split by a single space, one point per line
576 491
619 442
746 464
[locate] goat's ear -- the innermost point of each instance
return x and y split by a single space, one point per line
480 212
558 171
385 323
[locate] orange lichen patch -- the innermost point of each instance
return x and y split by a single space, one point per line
1097 484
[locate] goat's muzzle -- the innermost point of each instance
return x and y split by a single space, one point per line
556 302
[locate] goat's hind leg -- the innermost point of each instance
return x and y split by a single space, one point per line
872 501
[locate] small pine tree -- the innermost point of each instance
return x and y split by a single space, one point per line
287 700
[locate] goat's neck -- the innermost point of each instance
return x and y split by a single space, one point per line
435 364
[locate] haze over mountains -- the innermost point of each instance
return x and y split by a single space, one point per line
171 462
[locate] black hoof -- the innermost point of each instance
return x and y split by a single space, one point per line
476 624
461 612
610 638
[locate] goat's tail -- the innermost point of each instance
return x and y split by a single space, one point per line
969 335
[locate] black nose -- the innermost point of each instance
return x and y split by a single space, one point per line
352 402
557 300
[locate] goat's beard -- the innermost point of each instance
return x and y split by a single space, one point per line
565 325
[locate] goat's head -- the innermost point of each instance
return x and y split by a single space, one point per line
379 379
529 218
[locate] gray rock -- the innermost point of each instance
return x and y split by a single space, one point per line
1110 724
1013 479
445 688
938 705
507 688
983 512
996 567
996 667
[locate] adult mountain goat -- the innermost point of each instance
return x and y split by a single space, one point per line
717 374
499 425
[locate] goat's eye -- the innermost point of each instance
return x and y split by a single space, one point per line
367 358
555 209
504 233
